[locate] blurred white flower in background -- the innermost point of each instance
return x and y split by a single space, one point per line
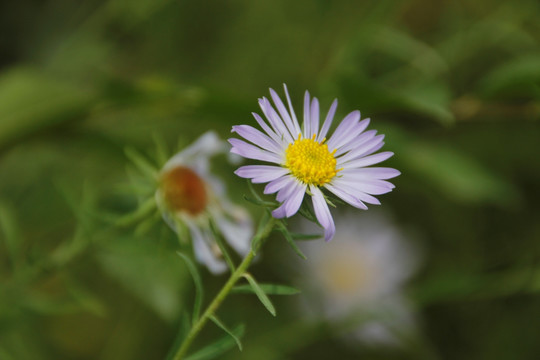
358 279
190 197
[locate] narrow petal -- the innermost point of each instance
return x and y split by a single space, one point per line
344 128
349 134
284 114
293 197
314 117
278 184
237 228
374 187
348 198
286 191
208 144
307 118
368 160
382 173
273 118
258 138
328 121
202 250
322 212
295 120
360 140
278 139
261 173
253 152
356 192
365 149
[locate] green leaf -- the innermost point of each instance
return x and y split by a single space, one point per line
283 229
198 286
262 223
182 333
31 100
260 294
141 163
217 348
144 209
10 229
224 328
269 289
260 202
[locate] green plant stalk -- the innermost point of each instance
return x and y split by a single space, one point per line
223 293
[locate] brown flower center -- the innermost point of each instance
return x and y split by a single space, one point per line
183 190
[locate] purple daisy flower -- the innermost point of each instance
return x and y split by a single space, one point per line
306 161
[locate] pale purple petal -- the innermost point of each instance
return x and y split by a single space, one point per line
328 121
295 120
275 120
348 198
258 138
278 139
307 118
373 186
348 133
382 173
278 184
261 173
292 199
314 117
294 130
286 191
253 152
360 140
369 160
322 212
362 150
356 192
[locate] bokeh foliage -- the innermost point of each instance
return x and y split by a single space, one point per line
455 86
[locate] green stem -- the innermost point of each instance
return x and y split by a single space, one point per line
224 292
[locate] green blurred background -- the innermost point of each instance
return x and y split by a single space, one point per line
455 86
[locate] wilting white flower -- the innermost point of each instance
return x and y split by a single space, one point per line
362 273
304 162
189 198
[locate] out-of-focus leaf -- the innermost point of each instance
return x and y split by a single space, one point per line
141 163
219 347
458 176
10 231
305 237
154 276
198 286
517 77
269 289
31 100
260 294
283 229
224 328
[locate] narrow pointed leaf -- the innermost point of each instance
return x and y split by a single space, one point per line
198 286
217 348
141 163
224 328
269 289
260 294
290 240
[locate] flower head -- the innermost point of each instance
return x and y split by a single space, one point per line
306 161
189 198
363 273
